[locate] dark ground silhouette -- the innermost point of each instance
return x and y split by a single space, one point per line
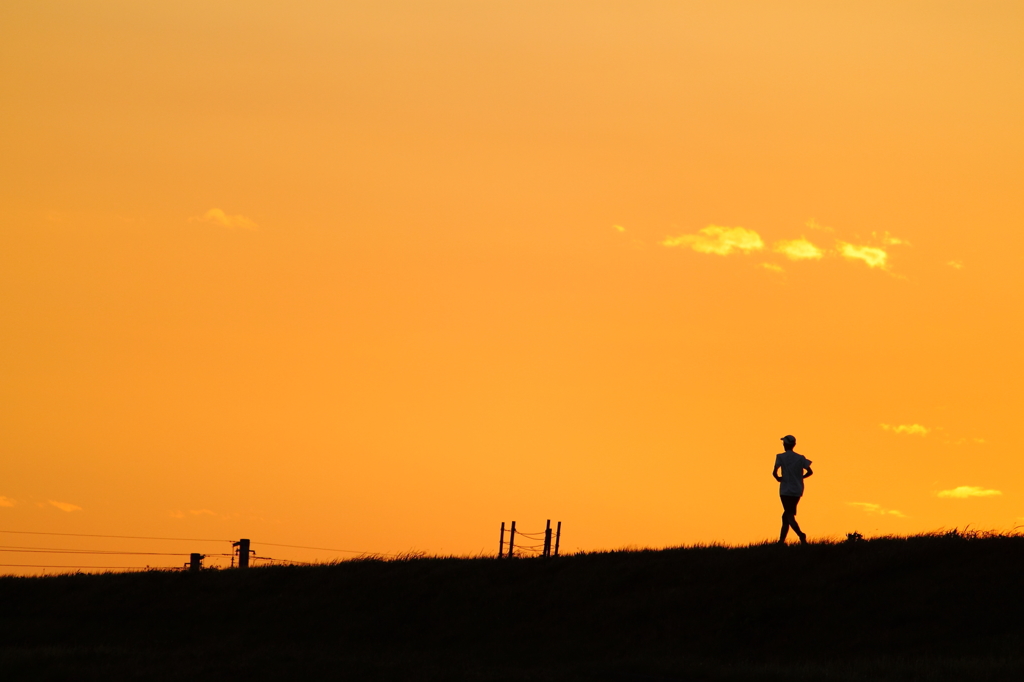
925 608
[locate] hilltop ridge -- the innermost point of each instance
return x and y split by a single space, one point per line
932 607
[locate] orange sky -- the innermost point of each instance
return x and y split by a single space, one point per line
380 275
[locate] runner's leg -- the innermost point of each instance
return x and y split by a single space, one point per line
789 505
787 517
796 526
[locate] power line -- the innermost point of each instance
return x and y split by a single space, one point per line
287 561
64 566
325 549
147 537
76 551
50 550
120 537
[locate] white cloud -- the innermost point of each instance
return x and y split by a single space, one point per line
719 240
618 228
964 441
724 241
815 225
887 238
798 249
909 429
965 491
872 508
215 216
6 502
873 256
65 506
955 264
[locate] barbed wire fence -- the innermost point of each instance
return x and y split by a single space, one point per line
542 540
241 555
237 554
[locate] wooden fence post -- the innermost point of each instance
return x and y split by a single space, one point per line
243 552
195 562
558 537
547 539
512 541
501 545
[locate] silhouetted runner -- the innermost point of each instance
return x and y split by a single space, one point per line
791 486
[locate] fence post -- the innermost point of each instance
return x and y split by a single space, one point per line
243 552
195 563
512 541
547 539
558 537
501 545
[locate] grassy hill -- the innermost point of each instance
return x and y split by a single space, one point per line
936 607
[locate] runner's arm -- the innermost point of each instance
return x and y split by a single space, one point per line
807 472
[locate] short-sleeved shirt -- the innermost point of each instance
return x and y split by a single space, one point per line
793 465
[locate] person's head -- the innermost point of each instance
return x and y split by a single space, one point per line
789 442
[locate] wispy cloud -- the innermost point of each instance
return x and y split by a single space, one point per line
965 491
873 256
965 441
909 429
65 506
887 238
6 502
618 228
815 225
719 240
179 514
872 508
938 432
215 216
955 264
798 249
724 241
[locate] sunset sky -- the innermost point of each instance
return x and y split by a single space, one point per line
381 275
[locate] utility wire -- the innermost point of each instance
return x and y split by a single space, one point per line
287 561
76 551
325 549
47 550
145 568
147 537
121 537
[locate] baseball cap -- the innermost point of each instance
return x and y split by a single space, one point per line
788 439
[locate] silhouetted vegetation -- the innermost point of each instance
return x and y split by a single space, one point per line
935 607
